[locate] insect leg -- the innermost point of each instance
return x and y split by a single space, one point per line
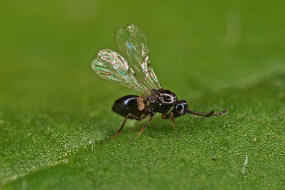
173 124
121 128
142 129
207 114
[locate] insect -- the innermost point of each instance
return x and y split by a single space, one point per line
133 70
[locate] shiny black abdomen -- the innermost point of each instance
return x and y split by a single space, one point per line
127 106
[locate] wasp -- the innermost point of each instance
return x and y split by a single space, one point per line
134 70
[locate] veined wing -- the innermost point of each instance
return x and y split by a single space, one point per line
112 66
132 44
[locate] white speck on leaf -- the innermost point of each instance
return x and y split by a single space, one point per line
91 142
244 165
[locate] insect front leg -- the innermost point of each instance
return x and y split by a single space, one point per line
171 117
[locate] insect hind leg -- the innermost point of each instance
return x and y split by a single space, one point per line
120 129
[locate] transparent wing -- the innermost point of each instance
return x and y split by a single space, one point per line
112 66
132 44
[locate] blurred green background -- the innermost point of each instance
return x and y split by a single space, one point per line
216 54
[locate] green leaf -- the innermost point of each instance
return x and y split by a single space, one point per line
54 112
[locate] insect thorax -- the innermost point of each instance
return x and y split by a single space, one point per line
160 100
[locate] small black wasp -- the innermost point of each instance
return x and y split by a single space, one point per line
135 71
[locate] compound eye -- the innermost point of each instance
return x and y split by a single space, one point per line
180 109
